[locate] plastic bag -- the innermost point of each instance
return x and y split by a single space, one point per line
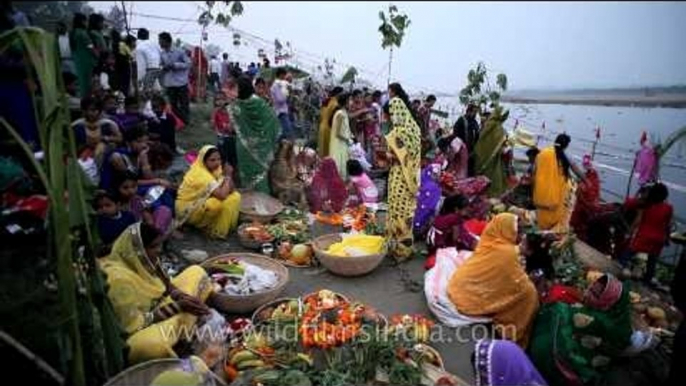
436 288
210 338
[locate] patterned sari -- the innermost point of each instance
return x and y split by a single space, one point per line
257 129
195 204
574 345
135 289
404 141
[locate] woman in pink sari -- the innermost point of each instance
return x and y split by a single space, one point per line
327 192
646 162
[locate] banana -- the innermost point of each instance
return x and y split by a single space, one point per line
242 356
249 364
268 376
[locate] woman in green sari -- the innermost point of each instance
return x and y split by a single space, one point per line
84 53
574 344
257 130
488 152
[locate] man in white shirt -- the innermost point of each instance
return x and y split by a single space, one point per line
147 62
65 49
215 70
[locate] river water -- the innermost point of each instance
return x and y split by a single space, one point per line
620 132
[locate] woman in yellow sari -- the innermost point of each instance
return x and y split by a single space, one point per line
554 189
404 144
207 198
493 283
326 113
155 311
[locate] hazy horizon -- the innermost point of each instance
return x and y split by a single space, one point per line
539 45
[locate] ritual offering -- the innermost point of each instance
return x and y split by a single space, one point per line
245 281
319 338
350 255
254 235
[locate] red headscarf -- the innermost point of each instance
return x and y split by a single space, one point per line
327 185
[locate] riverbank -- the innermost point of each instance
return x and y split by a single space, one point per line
630 100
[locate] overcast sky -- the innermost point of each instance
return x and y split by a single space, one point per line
537 44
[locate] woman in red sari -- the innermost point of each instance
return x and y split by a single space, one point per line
587 200
198 76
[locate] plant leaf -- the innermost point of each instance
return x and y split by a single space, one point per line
236 8
501 81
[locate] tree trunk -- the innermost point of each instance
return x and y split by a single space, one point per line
390 62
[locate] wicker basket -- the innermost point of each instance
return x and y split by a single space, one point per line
145 373
246 241
441 364
242 304
344 266
256 320
259 207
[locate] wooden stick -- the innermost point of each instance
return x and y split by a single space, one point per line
38 361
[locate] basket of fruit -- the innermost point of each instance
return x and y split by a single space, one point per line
259 207
283 309
245 281
159 371
254 235
358 255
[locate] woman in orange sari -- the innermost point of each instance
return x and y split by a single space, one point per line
493 282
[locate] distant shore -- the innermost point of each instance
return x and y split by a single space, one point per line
672 100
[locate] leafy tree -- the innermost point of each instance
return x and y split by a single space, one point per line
223 15
392 31
479 89
350 76
46 14
117 18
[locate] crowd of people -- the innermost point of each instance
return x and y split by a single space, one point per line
438 183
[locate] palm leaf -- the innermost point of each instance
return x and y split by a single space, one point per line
679 136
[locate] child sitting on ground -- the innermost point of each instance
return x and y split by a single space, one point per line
131 117
161 126
226 137
448 230
93 131
156 214
361 184
111 220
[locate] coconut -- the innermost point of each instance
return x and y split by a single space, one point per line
301 254
657 313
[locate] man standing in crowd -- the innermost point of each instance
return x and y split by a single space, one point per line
467 129
147 62
424 112
215 70
175 68
226 69
280 91
424 115
65 48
